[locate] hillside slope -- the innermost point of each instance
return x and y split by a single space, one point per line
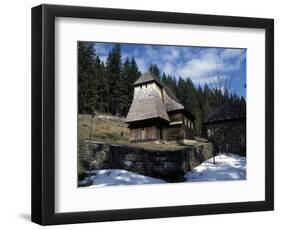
104 128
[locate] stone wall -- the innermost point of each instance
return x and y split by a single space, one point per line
167 165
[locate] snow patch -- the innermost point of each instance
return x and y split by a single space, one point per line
227 167
107 177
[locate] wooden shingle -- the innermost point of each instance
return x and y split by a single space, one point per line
147 108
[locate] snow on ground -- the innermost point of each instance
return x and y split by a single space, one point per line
227 167
107 177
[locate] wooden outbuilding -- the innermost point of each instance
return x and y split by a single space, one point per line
156 113
226 129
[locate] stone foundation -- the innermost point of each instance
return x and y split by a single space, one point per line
168 165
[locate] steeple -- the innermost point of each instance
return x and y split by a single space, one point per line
148 77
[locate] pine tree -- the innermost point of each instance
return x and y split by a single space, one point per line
154 69
164 77
125 74
86 76
134 69
113 72
101 86
134 74
181 91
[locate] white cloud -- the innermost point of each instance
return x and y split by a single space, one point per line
142 64
170 53
168 68
165 58
202 66
206 65
232 53
151 53
101 50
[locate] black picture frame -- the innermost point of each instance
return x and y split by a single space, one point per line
43 110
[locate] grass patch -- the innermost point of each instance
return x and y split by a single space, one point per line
105 128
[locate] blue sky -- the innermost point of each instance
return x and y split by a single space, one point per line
218 67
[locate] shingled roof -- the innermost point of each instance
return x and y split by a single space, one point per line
225 112
147 108
149 77
173 105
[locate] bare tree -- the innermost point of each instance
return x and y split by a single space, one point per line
225 84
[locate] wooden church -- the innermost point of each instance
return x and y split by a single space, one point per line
156 113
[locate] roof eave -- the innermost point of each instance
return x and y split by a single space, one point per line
146 119
147 82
